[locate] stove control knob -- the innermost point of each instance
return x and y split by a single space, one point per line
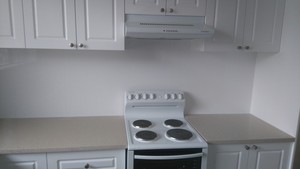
173 96
167 96
152 96
180 96
130 96
137 96
145 96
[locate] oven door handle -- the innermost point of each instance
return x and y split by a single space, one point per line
171 157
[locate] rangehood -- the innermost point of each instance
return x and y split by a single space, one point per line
166 27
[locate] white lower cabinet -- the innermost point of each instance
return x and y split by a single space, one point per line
23 161
110 159
249 156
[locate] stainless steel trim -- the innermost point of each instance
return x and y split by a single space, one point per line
172 157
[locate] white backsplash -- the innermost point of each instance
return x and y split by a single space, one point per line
92 83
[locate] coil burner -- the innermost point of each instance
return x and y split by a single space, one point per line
179 134
145 135
141 123
173 123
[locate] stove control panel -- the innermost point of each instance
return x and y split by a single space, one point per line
140 101
154 95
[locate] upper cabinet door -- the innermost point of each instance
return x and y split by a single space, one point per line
151 7
100 24
227 17
186 7
11 24
50 24
264 25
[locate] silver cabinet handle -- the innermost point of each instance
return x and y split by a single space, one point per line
162 10
170 157
240 47
247 147
80 45
254 147
171 10
71 45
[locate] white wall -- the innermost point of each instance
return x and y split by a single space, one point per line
88 83
276 93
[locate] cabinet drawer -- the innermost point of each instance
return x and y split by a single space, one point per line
109 159
108 163
23 161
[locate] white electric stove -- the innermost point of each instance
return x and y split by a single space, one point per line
155 120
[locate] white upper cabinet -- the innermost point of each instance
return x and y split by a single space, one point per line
50 23
227 17
70 24
11 24
186 7
246 25
263 28
151 7
100 24
166 7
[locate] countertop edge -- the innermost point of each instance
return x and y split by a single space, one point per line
60 150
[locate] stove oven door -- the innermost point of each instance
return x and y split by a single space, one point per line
168 159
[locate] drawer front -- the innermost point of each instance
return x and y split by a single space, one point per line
108 163
109 159
23 161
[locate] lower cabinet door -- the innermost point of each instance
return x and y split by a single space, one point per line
227 157
269 156
92 159
23 161
249 156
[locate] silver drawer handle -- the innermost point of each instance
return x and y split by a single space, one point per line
172 157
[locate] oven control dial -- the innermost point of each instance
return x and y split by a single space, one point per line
167 96
137 96
145 96
180 96
130 96
173 96
151 96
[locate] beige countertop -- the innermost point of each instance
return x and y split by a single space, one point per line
34 135
236 129
40 135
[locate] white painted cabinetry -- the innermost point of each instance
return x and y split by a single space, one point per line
11 24
108 159
111 159
249 156
70 24
166 7
23 161
249 25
